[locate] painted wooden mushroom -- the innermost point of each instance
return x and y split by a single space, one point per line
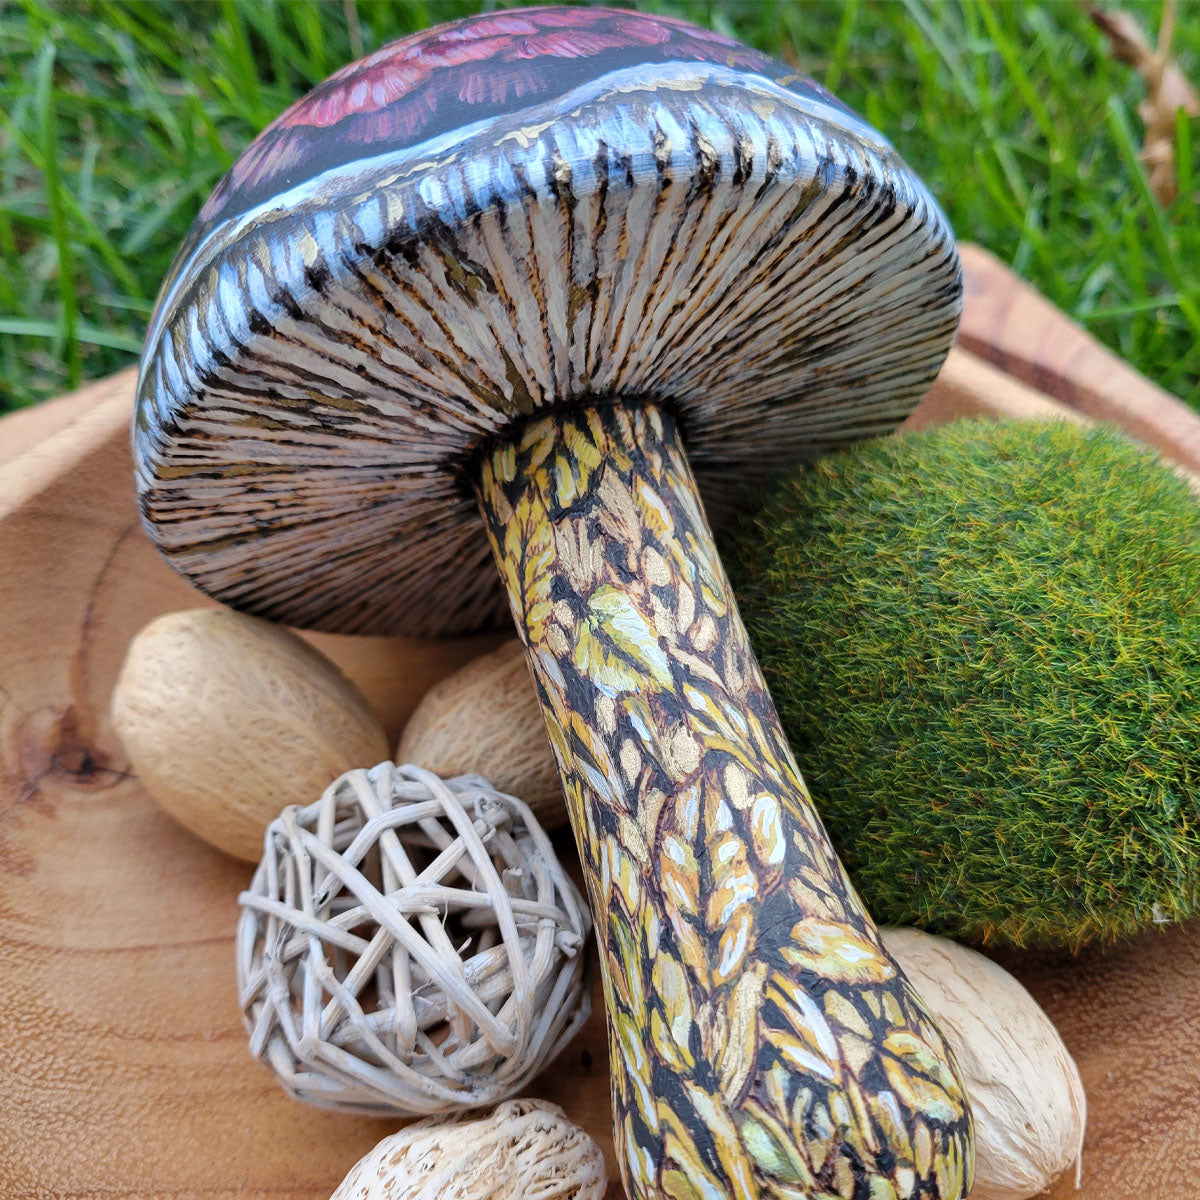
514 265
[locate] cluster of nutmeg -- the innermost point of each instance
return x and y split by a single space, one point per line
411 943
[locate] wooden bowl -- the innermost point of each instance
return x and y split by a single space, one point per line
124 1068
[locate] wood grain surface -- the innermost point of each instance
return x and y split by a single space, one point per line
969 386
124 1070
1010 325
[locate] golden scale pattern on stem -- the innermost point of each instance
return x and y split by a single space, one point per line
762 1041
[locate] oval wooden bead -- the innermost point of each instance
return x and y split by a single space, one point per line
1027 1098
485 718
227 719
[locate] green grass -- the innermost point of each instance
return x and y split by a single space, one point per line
117 118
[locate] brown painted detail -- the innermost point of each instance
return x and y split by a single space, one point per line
762 1041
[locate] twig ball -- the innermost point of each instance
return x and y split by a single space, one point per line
410 945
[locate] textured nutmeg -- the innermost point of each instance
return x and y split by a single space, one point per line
227 719
524 1148
485 718
1026 1096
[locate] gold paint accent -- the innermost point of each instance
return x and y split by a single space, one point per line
837 952
527 135
839 1010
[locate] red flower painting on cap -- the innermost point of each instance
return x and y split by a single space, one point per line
438 80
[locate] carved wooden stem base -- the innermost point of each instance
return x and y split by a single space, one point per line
763 1043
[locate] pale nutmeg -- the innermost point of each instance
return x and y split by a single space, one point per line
227 719
525 1148
1026 1096
485 718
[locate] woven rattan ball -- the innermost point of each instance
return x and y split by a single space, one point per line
410 945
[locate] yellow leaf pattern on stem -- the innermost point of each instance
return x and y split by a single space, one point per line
763 1044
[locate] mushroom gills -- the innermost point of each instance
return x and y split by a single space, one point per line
763 1042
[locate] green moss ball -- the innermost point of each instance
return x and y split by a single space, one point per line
984 642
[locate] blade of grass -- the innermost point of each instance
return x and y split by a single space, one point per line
1118 120
68 300
841 45
951 55
242 83
92 235
353 28
1148 304
1014 60
308 20
1184 159
84 333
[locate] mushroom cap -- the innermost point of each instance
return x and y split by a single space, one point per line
500 215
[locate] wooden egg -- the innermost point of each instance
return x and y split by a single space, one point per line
227 719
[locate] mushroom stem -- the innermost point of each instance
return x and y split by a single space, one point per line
763 1041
